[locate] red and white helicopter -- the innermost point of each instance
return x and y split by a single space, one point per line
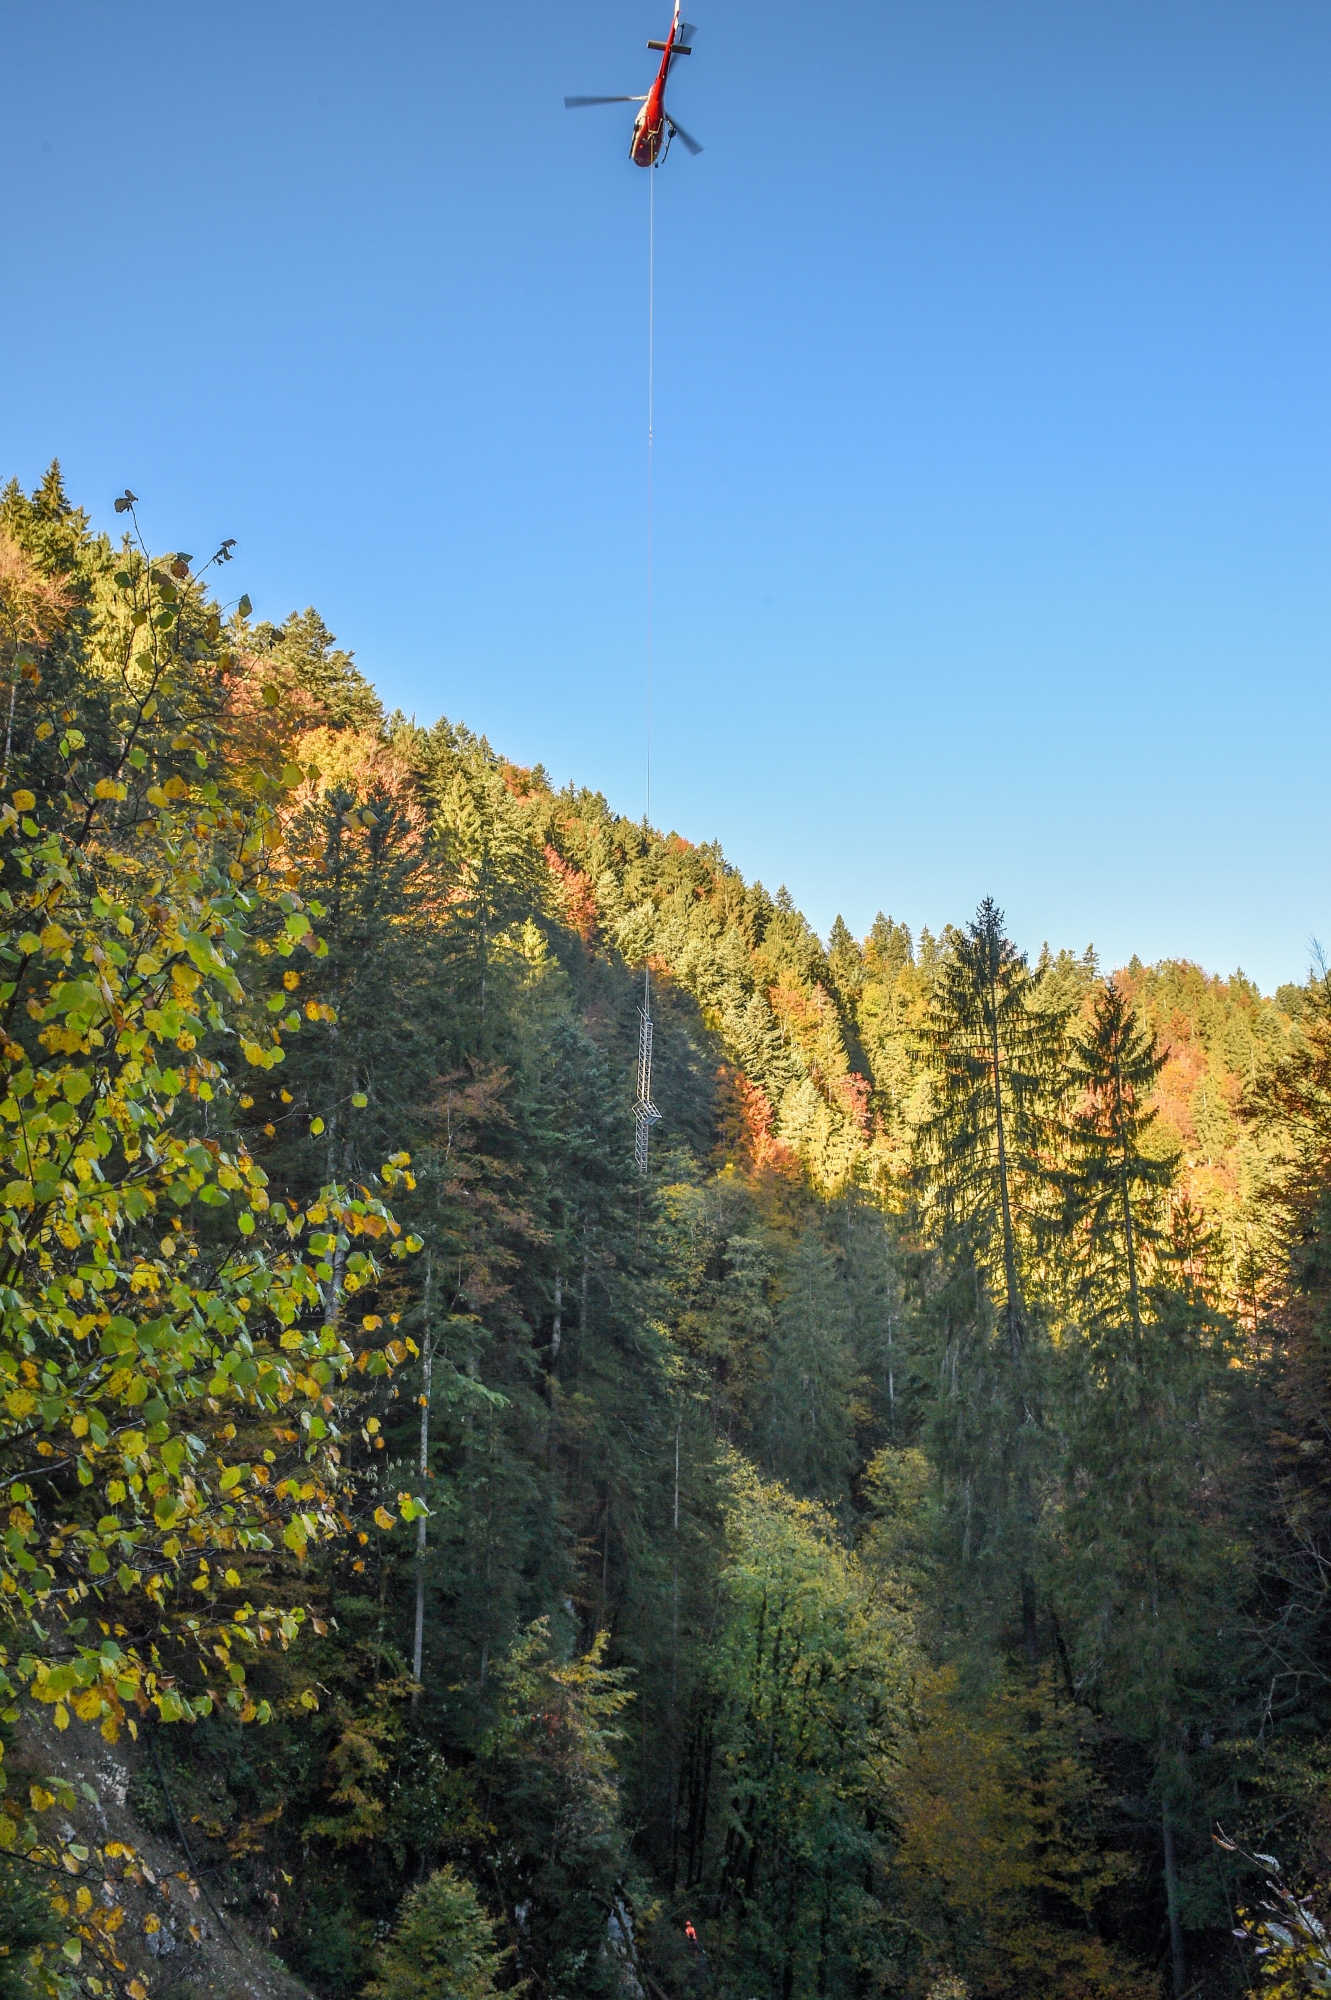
654 127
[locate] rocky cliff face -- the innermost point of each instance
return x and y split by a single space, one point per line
182 1934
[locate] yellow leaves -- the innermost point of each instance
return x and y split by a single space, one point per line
106 1175
151 1924
383 1519
371 1321
41 1800
137 1990
83 1901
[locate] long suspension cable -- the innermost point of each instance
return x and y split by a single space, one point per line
651 385
645 1113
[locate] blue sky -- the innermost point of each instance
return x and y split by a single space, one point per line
994 436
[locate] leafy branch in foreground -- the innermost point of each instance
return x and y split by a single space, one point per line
151 1290
1290 1940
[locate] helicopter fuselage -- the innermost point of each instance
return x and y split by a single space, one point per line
651 136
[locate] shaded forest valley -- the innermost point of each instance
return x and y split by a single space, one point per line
882 1551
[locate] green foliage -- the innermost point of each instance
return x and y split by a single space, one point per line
814 1679
442 1947
994 1056
148 1282
561 1846
807 1439
1006 1826
1114 1186
300 663
28 1929
1012 1281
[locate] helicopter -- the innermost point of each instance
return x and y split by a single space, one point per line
653 128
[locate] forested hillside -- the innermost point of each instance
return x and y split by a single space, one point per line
881 1551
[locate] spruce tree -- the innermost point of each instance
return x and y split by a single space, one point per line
1116 1186
984 1169
1152 1567
806 1433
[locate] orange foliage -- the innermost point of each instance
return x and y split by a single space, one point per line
793 1007
356 761
747 1121
264 717
579 897
33 606
853 1092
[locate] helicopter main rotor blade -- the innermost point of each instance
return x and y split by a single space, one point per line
581 103
684 137
685 32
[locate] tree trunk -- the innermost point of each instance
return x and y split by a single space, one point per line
427 1371
1016 1341
1177 1957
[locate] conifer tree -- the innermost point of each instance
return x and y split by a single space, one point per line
1115 1187
984 1167
984 1164
846 962
806 1433
1152 1571
490 842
